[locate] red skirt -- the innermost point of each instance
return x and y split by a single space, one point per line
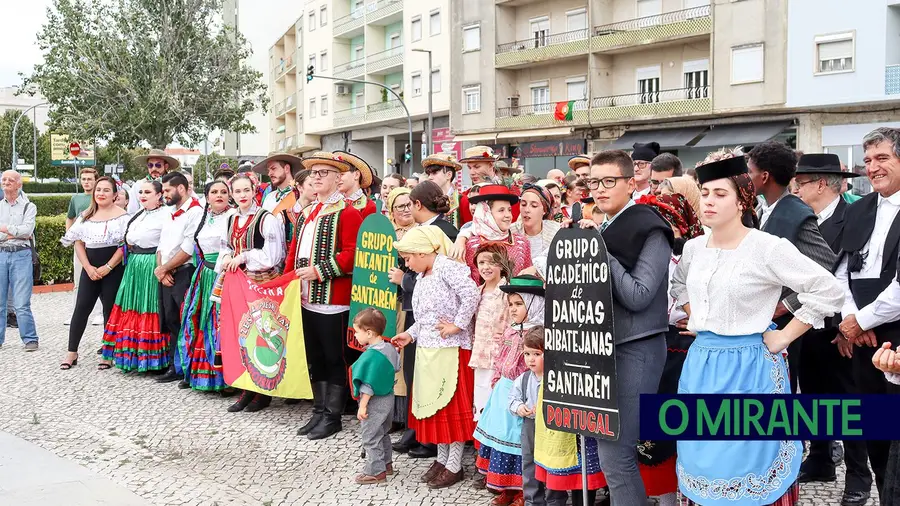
453 423
660 479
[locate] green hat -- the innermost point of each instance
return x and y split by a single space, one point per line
525 283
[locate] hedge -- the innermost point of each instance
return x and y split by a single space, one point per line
56 259
51 187
51 205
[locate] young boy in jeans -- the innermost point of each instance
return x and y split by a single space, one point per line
372 376
522 399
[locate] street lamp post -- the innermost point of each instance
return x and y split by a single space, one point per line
15 156
430 104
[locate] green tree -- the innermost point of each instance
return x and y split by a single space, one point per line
213 161
145 71
112 155
24 139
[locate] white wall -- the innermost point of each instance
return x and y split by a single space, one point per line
809 18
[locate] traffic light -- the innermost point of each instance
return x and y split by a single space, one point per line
407 153
309 73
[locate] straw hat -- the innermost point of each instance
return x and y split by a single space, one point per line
295 162
158 153
446 160
479 154
326 158
579 160
500 165
367 174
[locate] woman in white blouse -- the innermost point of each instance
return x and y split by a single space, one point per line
96 236
198 344
729 283
133 340
535 213
253 242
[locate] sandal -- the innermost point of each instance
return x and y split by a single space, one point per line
102 366
65 366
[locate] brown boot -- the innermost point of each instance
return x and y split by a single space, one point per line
365 479
504 499
389 469
519 500
432 472
446 479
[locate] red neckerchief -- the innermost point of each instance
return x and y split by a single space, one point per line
194 203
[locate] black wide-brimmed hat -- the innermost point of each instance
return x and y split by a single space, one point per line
525 283
721 169
822 164
490 192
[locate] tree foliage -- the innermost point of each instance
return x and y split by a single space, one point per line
25 144
213 161
154 71
112 155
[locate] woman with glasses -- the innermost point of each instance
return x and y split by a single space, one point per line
535 223
322 255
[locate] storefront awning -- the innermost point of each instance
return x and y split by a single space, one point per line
667 138
487 136
530 134
738 135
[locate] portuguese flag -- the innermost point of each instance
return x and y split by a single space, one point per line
564 110
261 336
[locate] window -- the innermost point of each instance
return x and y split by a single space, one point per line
396 89
323 15
834 53
417 84
312 108
358 53
576 21
323 60
360 99
696 79
471 99
416 28
312 20
747 64
540 97
472 38
576 89
435 23
648 84
396 45
540 29
436 80
648 12
324 105
312 61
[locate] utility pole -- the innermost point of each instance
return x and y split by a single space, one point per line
430 103
15 156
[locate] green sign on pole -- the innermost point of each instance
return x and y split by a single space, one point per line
375 257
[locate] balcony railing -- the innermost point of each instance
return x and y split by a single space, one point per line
286 105
285 64
542 40
892 80
382 8
350 69
384 59
350 116
686 22
532 109
368 113
372 11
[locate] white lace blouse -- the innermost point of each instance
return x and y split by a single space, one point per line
146 229
96 234
213 231
735 292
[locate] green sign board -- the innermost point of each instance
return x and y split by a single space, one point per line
375 257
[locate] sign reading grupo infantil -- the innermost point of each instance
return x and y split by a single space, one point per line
580 391
375 257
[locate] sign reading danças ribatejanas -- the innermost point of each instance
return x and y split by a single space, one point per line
375 257
580 391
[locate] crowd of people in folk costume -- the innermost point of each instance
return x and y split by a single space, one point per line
719 274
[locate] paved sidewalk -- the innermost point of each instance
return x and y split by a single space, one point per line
32 476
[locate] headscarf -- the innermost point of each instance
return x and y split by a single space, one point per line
676 210
543 194
484 225
535 306
427 239
395 193
688 187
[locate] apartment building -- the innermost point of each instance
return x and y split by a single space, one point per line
378 41
693 75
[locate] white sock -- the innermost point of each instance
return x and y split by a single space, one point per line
454 459
442 451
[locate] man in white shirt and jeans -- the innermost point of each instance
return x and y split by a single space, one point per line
174 258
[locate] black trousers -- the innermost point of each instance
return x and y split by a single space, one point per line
171 298
825 371
326 338
409 357
869 380
89 291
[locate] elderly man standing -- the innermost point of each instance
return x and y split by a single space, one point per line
158 163
17 217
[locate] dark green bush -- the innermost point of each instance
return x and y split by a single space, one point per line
56 259
51 187
51 205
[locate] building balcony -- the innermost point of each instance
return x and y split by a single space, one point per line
892 80
668 26
285 65
350 116
350 70
385 62
541 48
666 103
381 111
379 12
285 106
350 25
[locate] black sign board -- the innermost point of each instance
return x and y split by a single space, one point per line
540 149
580 391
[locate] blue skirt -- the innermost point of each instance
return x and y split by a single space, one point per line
736 473
497 427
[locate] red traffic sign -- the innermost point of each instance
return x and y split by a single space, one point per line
74 149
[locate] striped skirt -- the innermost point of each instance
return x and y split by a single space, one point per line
453 423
